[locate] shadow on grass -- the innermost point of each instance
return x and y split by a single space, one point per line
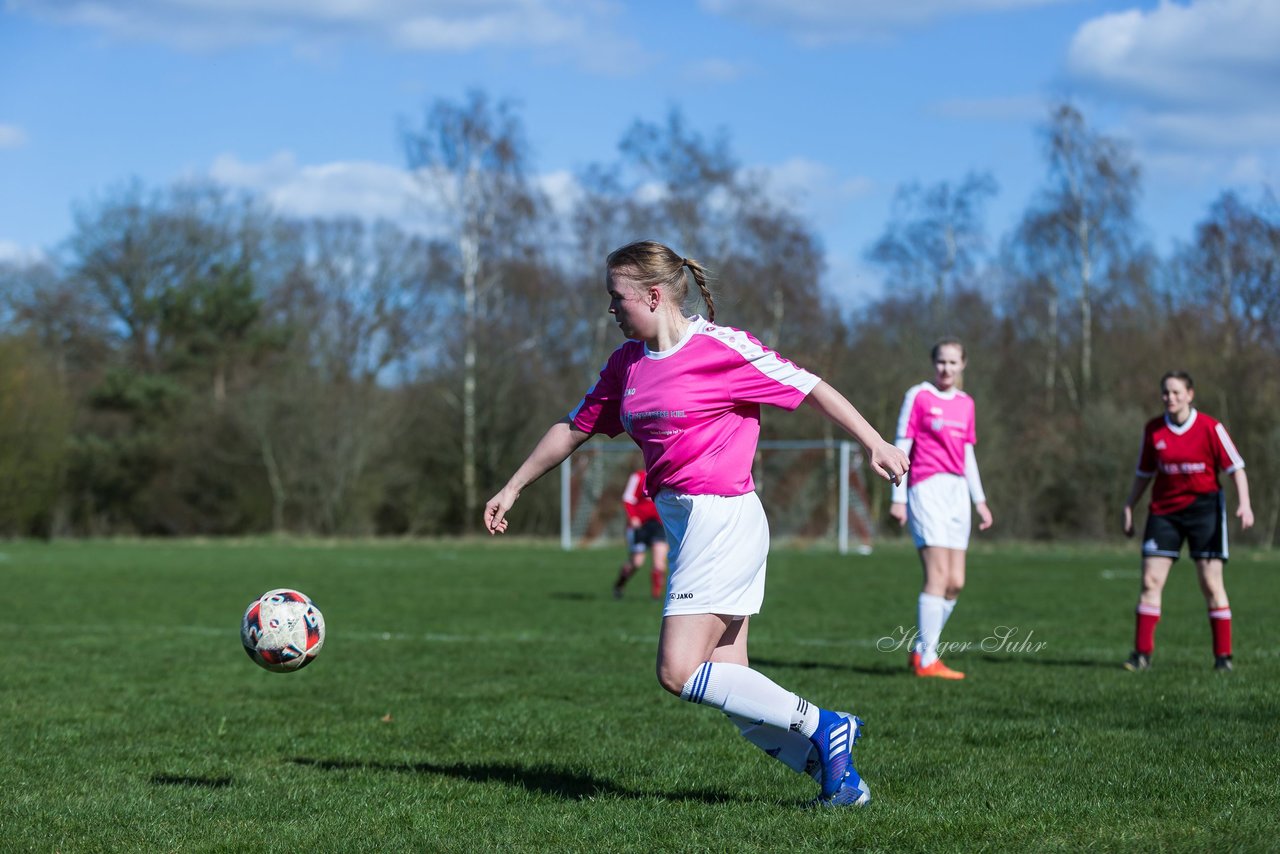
877 670
1041 661
567 785
193 782
573 596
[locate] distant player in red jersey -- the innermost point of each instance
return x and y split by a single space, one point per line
1182 453
936 429
644 533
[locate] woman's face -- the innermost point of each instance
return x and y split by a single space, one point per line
628 305
1177 398
949 366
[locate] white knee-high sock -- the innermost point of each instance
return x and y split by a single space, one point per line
930 617
785 745
742 691
948 605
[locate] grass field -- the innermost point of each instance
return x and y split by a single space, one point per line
493 696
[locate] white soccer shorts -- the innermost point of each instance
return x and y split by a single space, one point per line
719 548
938 512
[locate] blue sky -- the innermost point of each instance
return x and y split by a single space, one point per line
838 102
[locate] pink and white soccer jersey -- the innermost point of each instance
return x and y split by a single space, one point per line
939 424
694 410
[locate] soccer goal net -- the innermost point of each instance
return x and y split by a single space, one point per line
812 491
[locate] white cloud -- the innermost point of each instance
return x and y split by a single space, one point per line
854 283
1016 108
1208 127
376 191
811 186
1251 169
562 190
1205 52
507 24
716 71
366 190
1188 169
369 191
821 22
581 29
16 253
1197 75
12 136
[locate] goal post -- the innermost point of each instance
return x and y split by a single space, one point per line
812 491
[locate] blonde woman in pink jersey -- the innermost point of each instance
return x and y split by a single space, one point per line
689 392
936 428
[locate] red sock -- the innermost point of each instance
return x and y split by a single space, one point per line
1144 636
1220 623
657 583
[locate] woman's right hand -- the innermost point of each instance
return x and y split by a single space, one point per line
898 511
1128 521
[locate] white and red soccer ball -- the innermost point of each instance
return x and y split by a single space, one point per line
282 630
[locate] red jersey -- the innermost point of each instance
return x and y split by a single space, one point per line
1185 460
635 503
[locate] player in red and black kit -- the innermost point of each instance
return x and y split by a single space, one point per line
1182 452
644 533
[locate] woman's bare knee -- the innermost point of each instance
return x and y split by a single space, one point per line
673 676
686 641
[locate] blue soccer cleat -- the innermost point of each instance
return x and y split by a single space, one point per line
853 792
841 784
813 763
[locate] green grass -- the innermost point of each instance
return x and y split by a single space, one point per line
493 696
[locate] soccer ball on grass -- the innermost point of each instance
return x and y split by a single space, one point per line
282 630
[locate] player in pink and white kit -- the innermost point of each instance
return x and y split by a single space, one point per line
688 393
1182 452
936 428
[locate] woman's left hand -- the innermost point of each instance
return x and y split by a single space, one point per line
889 461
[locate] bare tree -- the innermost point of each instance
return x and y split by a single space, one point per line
1226 289
69 324
1082 224
1234 266
471 162
690 182
935 238
678 185
356 311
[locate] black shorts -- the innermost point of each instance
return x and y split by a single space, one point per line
1202 524
639 539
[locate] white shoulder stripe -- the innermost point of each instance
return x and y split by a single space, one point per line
631 493
1237 461
764 360
908 402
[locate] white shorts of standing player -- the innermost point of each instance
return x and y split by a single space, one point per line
719 549
938 512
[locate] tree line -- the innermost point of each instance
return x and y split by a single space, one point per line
191 362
